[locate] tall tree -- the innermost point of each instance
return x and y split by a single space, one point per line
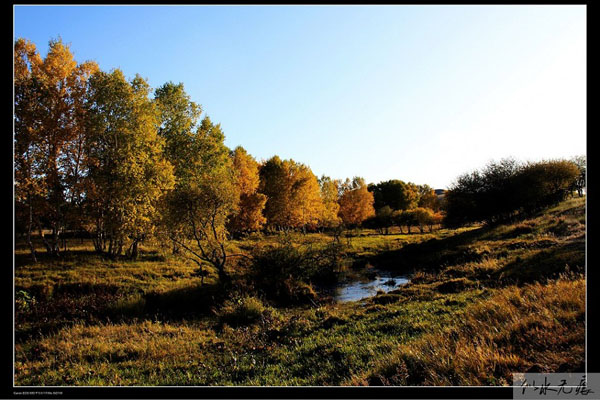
127 170
275 185
249 216
306 202
205 194
178 120
50 95
329 194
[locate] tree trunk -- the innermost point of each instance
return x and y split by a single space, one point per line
133 250
29 227
55 240
46 244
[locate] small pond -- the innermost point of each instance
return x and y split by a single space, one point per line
360 289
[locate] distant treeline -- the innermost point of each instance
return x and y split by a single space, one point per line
98 153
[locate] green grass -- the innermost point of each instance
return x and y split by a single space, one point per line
483 302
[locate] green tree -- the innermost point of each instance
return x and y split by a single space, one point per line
384 219
178 120
128 173
507 189
396 194
205 194
404 218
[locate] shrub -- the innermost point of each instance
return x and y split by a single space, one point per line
242 311
24 301
455 285
285 272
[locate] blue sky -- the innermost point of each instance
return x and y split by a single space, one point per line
418 93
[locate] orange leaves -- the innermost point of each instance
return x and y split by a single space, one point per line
249 216
356 203
293 194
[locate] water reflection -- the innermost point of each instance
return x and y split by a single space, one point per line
357 290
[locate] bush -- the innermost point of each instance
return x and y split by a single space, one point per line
455 285
286 272
242 311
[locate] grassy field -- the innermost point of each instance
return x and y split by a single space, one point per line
483 302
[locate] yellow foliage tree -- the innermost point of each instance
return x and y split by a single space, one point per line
329 194
249 216
356 202
50 95
128 173
293 194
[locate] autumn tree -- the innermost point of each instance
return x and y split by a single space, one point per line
437 217
293 194
428 198
329 195
127 170
49 138
29 187
306 203
356 202
249 216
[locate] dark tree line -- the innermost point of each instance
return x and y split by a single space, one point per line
507 189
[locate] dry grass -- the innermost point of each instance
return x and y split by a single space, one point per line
537 327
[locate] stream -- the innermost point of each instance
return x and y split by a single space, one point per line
361 289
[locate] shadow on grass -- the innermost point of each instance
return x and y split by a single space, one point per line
41 311
79 255
431 254
543 265
185 302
